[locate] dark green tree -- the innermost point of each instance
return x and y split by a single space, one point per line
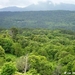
6 44
17 49
13 32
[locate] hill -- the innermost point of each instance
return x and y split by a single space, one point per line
37 52
38 19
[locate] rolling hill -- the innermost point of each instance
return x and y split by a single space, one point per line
38 19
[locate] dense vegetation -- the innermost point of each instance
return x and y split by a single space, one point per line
38 19
37 52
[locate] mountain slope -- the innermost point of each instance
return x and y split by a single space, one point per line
38 19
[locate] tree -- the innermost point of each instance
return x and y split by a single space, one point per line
13 32
16 49
65 60
8 69
60 54
69 67
22 64
6 44
51 53
40 64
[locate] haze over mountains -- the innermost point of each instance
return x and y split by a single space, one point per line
42 6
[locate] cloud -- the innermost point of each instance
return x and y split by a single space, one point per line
63 1
19 3
24 3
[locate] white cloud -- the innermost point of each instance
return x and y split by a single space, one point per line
20 3
63 1
24 3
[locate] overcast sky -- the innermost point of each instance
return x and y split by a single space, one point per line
24 3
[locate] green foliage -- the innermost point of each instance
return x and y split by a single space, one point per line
17 49
50 52
41 64
69 67
2 52
60 54
32 72
32 47
13 33
10 57
73 66
65 60
24 42
6 44
8 69
2 56
2 61
39 19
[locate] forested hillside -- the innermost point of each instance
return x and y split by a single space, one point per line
36 51
38 19
37 43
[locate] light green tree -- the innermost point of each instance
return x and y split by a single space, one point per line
8 69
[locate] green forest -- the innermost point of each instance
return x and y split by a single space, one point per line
38 19
37 51
37 43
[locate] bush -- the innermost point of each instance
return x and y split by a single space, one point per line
8 69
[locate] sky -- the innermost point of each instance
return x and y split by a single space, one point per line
24 3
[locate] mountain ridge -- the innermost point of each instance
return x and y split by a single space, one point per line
38 19
42 6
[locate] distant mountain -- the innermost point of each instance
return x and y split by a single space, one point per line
11 9
42 6
38 19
